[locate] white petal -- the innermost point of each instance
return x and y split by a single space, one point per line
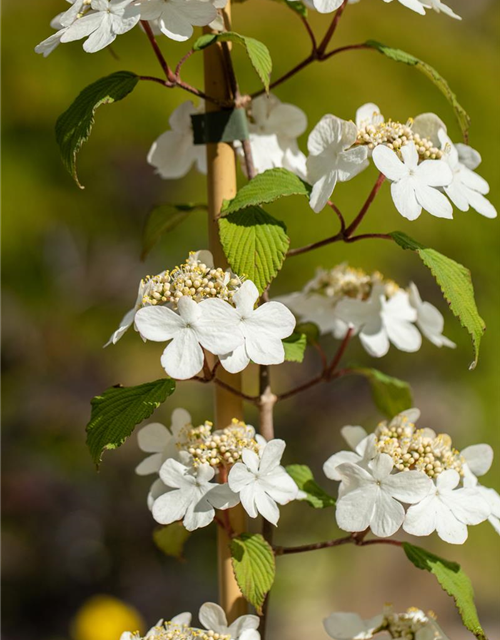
435 173
267 507
421 518
158 323
279 486
479 458
246 297
330 466
218 327
221 497
153 438
388 163
388 516
449 528
240 477
235 361
325 133
247 495
180 418
274 319
82 27
353 435
481 204
428 125
199 514
287 120
271 456
327 6
151 464
322 189
183 357
350 626
376 344
212 616
172 154
368 114
355 509
100 38
405 201
433 201
468 156
468 506
171 506
251 460
244 623
408 486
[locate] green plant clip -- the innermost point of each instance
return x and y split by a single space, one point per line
220 126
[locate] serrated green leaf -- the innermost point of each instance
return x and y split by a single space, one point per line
390 395
304 479
254 567
171 539
255 244
295 347
163 219
73 127
453 580
119 409
257 51
265 188
455 283
401 56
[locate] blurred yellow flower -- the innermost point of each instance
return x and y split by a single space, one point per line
105 618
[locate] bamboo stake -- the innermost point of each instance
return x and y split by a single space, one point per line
221 185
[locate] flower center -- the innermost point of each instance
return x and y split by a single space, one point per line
174 631
417 449
217 448
344 281
193 279
406 625
396 135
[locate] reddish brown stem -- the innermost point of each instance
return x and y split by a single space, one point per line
159 55
373 193
340 352
354 538
339 215
331 29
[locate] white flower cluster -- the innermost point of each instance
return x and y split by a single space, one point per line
413 624
419 6
417 157
273 127
378 309
188 459
213 620
100 21
197 306
400 465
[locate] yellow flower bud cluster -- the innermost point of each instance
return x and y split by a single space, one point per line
193 278
396 135
174 631
216 448
345 281
417 449
405 625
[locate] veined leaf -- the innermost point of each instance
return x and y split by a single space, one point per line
265 188
455 283
390 395
171 539
119 409
254 567
401 56
304 479
255 244
453 580
295 347
257 52
73 127
163 219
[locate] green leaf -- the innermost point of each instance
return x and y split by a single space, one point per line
401 56
255 244
163 219
456 285
305 481
254 567
390 395
257 52
171 539
453 580
73 127
310 330
295 347
119 409
265 188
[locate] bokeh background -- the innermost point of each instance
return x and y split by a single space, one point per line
70 270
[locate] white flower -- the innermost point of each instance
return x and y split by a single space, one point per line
331 159
447 510
351 626
214 618
374 495
263 330
174 152
101 25
263 482
478 459
439 7
192 498
414 185
160 442
430 321
212 323
364 450
274 128
379 321
49 44
467 189
368 114
176 18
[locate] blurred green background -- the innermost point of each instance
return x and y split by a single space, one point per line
70 270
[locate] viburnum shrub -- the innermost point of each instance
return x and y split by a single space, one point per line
214 314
